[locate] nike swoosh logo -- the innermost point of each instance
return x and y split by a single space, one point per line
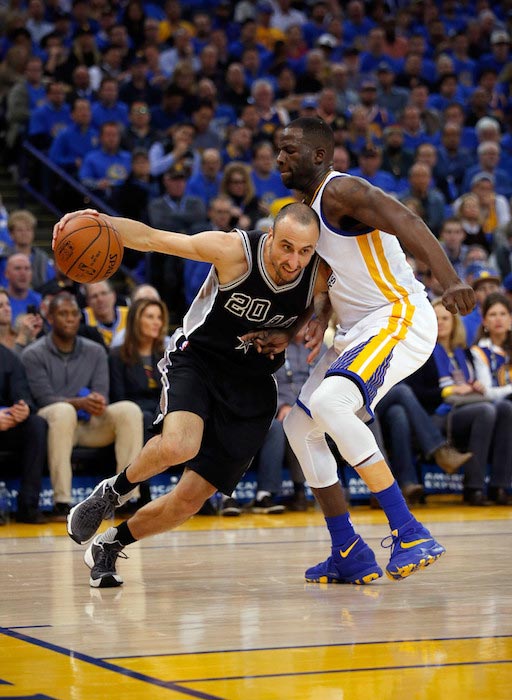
408 545
345 553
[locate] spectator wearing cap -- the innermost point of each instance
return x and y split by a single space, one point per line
137 88
499 56
392 98
396 159
378 117
370 161
308 107
484 281
432 201
266 34
174 211
331 47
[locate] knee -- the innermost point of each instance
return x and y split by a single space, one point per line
125 412
61 416
177 449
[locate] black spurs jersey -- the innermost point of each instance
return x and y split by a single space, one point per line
220 314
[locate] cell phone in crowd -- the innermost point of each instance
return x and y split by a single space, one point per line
32 309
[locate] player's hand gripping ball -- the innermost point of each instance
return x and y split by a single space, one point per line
88 249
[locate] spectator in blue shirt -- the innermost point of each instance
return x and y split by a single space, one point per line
206 182
108 108
370 160
266 180
489 154
22 224
49 119
500 54
18 274
73 143
106 167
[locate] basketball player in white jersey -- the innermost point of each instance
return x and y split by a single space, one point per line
387 330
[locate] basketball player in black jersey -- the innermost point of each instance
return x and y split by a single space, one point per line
219 395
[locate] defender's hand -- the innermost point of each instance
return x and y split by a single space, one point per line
460 298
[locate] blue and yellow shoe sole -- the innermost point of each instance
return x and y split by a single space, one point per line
402 572
361 581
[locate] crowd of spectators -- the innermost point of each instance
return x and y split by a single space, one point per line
171 113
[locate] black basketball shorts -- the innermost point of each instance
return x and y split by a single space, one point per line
237 410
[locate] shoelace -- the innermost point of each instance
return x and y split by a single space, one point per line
389 541
108 555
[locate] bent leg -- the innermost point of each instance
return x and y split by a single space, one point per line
62 423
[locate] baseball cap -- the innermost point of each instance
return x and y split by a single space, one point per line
265 7
481 176
500 36
327 40
384 67
178 170
483 274
309 103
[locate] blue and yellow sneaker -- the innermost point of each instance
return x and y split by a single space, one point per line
412 548
355 563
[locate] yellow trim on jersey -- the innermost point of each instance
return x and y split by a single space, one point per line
482 354
319 188
378 266
381 345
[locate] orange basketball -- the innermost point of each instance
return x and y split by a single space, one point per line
88 249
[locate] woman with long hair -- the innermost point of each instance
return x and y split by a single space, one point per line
134 373
237 184
449 389
492 356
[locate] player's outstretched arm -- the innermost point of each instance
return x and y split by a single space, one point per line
356 198
218 247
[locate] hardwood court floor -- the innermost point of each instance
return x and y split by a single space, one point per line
219 610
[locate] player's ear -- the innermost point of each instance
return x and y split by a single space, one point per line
319 156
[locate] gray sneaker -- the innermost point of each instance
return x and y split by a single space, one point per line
85 518
101 559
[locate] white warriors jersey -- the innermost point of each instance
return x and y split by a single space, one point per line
369 267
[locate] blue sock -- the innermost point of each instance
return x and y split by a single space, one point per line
394 505
340 528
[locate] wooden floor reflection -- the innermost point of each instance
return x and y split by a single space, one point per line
219 610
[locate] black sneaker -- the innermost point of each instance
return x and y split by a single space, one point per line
101 559
85 518
229 508
60 512
266 505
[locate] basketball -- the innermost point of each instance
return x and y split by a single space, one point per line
88 249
